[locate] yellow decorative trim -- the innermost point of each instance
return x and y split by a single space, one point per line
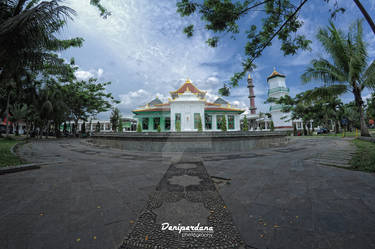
275 73
187 81
212 103
229 109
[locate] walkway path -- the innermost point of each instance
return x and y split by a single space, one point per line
98 197
338 155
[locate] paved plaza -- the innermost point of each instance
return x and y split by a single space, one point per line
83 196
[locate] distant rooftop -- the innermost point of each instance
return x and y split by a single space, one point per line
220 101
155 101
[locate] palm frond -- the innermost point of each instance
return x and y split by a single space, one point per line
369 76
323 70
32 3
334 44
328 92
31 30
358 52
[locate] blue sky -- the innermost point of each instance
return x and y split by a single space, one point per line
142 50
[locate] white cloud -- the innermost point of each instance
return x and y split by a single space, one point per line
100 72
212 79
131 100
134 99
92 73
162 97
83 75
366 97
145 39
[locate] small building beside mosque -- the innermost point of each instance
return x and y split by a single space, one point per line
186 108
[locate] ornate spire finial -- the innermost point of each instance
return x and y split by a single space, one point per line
249 76
188 80
274 69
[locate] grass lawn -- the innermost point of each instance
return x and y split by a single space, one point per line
364 158
347 134
6 157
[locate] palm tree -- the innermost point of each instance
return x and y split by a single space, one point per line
115 118
27 32
19 112
347 66
27 37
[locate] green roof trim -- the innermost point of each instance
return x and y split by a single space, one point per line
278 89
276 107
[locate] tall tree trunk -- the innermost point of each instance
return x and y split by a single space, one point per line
359 102
47 130
17 132
308 128
7 115
28 127
57 129
366 15
75 127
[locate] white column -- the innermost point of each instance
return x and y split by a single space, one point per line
237 122
214 122
173 122
203 121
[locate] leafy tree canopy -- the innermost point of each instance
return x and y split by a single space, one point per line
347 64
279 20
103 11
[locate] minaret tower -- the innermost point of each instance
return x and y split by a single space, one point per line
278 89
250 85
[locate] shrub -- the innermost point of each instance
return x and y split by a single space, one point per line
245 126
272 128
200 128
139 127
97 128
120 127
223 125
178 126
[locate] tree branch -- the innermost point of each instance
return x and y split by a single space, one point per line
281 27
366 15
252 7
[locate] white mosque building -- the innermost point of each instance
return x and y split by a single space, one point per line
186 110
188 107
